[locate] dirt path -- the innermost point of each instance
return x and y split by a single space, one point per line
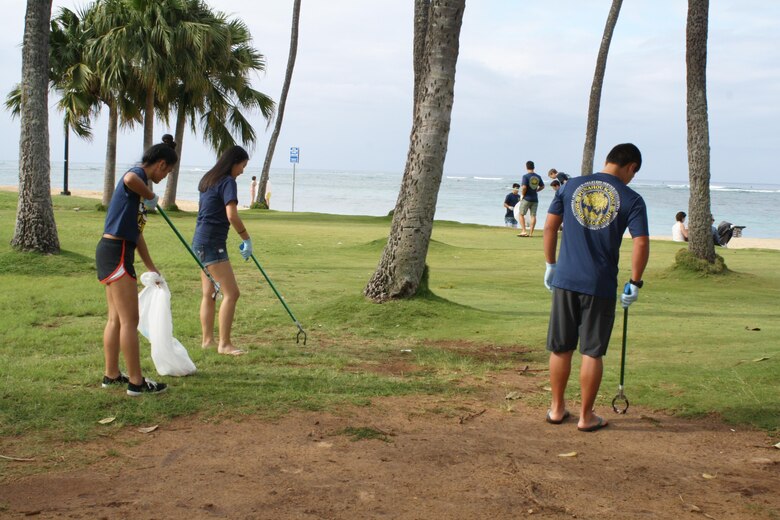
446 458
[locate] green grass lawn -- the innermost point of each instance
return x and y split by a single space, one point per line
691 345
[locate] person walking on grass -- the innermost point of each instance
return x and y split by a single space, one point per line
531 184
596 210
218 210
115 256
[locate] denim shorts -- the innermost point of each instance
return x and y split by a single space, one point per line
211 253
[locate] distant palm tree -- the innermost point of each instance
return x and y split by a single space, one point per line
402 265
218 90
269 155
700 242
35 229
594 104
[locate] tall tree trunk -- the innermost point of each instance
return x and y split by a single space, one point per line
149 118
594 104
700 242
109 170
422 11
402 264
36 229
269 155
169 199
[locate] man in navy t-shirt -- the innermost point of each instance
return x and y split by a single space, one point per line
510 201
595 210
531 184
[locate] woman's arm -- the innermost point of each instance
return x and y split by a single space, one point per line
134 183
235 220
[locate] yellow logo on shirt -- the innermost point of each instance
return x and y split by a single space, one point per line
141 217
595 204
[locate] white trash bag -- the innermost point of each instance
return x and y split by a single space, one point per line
156 324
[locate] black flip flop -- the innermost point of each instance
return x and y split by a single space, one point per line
599 425
551 421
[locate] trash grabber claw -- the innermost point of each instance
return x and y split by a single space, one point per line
620 397
205 270
297 324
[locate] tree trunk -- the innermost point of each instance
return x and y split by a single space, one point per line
594 104
109 170
700 242
36 229
422 12
269 155
169 199
149 119
402 264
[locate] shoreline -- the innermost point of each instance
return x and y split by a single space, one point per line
189 205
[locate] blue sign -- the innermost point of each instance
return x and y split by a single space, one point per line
294 152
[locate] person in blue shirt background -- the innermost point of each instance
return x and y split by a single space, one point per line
510 201
531 184
595 211
115 256
217 211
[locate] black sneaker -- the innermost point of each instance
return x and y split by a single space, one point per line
147 386
121 379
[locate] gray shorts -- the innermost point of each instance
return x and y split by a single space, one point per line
580 317
526 205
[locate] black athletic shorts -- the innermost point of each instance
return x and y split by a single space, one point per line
114 259
580 317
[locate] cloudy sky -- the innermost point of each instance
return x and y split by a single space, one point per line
521 92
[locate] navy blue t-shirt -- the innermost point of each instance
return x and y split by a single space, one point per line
534 182
126 214
596 211
511 199
213 225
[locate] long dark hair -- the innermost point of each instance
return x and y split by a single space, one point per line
232 156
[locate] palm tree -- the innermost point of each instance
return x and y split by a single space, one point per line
700 242
594 104
402 265
422 10
218 91
35 228
269 155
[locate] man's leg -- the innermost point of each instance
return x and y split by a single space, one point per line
560 368
590 381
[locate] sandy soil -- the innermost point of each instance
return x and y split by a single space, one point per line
184 205
481 456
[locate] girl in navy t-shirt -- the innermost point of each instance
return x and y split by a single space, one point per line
218 210
114 256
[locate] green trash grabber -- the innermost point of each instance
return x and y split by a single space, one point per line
297 324
205 270
620 397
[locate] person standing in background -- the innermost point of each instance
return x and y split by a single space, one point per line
555 175
252 190
532 184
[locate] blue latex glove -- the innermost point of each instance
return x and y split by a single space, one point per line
246 248
630 294
549 272
151 203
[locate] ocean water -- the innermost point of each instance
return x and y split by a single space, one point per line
475 199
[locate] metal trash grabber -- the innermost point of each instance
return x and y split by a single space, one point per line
297 324
205 270
620 397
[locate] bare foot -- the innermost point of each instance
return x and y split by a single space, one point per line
209 344
230 350
596 425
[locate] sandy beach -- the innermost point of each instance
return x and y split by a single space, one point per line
189 205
